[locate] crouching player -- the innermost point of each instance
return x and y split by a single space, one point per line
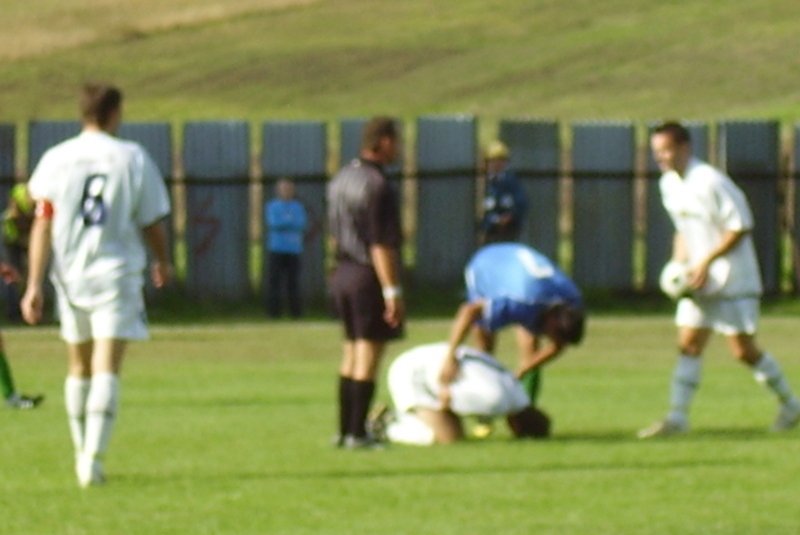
425 413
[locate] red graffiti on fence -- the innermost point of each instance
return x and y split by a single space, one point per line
210 223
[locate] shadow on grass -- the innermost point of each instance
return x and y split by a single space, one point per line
700 434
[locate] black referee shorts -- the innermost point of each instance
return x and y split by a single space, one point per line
359 303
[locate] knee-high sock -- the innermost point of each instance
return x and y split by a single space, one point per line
101 412
361 393
768 372
685 380
6 378
532 382
344 404
76 390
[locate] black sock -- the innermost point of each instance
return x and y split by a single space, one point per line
345 404
362 393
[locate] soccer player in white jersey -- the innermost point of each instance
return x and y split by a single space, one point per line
98 199
713 224
484 387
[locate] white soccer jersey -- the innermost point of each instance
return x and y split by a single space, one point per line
483 386
104 191
704 204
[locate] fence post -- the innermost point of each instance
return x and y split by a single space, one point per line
749 152
216 158
603 162
445 237
659 230
535 148
298 150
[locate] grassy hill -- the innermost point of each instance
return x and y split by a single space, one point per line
328 59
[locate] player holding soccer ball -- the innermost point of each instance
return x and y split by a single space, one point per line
712 229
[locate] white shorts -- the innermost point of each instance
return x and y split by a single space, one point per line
481 388
122 318
725 316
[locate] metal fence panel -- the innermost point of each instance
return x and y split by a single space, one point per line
8 160
44 134
156 138
216 159
298 150
446 151
749 152
350 138
659 230
535 148
603 160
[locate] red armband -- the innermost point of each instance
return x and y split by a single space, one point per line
44 209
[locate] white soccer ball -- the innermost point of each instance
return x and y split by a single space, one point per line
674 279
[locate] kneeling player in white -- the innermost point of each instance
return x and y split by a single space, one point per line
428 413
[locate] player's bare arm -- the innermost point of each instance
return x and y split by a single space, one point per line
466 316
538 358
679 252
162 271
698 275
32 302
386 262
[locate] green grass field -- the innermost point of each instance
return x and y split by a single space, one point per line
225 429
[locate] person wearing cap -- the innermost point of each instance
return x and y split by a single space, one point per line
504 201
512 284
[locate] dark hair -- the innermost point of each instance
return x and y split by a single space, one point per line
675 130
98 102
376 129
570 322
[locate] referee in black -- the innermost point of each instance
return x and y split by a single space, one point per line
364 222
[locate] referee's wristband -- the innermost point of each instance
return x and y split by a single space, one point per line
392 292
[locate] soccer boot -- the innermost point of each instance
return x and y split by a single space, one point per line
664 428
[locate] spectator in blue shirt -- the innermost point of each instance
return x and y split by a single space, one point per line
286 222
504 202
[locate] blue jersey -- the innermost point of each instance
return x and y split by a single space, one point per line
518 284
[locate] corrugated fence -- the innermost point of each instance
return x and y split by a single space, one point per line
594 203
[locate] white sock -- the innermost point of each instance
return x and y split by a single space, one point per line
101 411
768 372
407 428
76 390
685 380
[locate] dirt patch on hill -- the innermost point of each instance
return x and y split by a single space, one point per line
30 29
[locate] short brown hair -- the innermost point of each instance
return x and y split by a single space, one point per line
376 129
98 102
675 130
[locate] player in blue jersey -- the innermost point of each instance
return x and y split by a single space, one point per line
511 284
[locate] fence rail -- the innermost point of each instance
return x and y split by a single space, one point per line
594 203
